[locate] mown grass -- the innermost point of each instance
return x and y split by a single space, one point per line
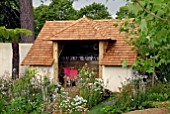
97 109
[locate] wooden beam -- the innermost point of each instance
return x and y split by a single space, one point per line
61 47
55 57
101 52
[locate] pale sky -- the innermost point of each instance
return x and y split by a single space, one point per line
112 5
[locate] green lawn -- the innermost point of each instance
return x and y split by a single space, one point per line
97 109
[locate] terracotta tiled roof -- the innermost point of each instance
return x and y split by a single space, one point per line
82 29
118 51
41 52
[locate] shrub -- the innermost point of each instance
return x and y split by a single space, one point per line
136 95
34 93
90 88
25 95
76 104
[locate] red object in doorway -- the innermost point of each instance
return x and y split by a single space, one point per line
67 71
70 73
73 73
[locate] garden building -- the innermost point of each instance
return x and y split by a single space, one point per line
71 44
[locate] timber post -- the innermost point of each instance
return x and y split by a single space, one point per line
101 52
55 57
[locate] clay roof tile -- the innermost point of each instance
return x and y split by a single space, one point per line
41 53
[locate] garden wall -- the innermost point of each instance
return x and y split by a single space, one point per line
6 57
115 75
45 71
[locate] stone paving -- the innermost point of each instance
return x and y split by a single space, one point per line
150 111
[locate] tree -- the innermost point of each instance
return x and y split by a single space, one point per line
124 13
95 11
16 14
153 44
9 15
14 35
57 10
27 19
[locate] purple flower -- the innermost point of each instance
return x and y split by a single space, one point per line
21 75
110 103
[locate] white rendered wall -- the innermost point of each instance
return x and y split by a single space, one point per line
45 71
6 57
114 76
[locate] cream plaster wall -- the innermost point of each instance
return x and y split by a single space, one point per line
23 50
6 60
6 57
45 71
114 76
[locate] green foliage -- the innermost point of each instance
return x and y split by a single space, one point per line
33 93
90 88
27 94
163 73
160 88
22 105
95 11
151 40
124 63
97 109
136 94
63 10
57 10
9 14
124 13
75 104
158 97
13 33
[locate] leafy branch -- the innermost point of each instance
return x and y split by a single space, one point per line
137 1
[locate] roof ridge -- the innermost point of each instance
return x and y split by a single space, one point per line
88 20
96 27
59 21
84 17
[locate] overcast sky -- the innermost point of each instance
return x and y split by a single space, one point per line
112 5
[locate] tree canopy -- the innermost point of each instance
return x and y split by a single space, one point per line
63 10
13 33
16 14
9 15
57 10
124 13
152 40
95 11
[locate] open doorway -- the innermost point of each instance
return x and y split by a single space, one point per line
75 54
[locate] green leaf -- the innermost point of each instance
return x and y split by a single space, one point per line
160 13
143 26
134 8
124 63
13 33
157 2
115 24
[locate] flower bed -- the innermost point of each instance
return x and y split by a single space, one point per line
137 94
33 93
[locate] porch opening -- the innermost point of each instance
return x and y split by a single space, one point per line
75 54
